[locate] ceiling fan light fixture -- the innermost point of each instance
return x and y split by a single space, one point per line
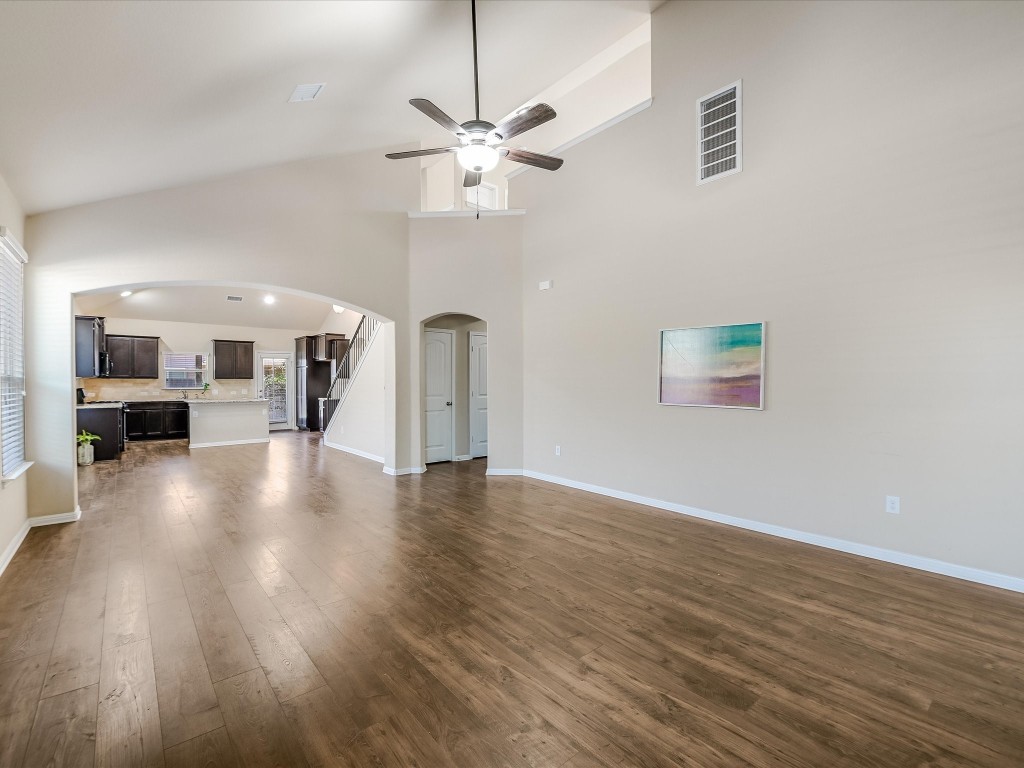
477 157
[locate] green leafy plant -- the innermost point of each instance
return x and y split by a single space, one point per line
206 386
87 438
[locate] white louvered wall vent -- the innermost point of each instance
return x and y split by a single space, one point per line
720 133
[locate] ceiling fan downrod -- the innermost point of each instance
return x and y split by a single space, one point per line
476 70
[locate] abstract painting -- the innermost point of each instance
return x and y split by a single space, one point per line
718 366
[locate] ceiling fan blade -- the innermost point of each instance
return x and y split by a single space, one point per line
420 153
521 123
546 162
434 112
472 179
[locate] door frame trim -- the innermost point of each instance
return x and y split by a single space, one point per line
451 384
469 404
289 377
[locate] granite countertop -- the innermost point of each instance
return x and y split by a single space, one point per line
115 404
245 400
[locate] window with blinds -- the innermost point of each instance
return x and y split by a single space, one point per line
12 355
719 134
184 370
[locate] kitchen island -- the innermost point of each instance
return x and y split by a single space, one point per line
228 422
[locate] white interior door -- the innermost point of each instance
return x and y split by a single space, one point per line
477 394
437 357
275 384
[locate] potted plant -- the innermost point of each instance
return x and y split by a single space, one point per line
206 387
85 450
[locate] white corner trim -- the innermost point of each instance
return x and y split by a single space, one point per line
354 451
587 134
405 471
514 472
33 522
230 442
467 457
12 549
60 517
966 573
484 213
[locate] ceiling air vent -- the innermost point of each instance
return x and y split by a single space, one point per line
307 92
234 298
720 133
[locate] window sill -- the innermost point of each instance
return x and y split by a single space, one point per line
17 473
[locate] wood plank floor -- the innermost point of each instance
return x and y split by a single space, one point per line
289 605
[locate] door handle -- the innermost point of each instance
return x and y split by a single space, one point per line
449 402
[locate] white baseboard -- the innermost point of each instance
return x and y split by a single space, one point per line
12 549
60 517
230 442
467 457
354 451
505 471
404 471
990 578
33 522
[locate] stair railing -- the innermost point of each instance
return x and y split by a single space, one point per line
349 365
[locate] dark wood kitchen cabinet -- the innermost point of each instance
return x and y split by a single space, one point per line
312 380
175 420
156 420
232 359
90 346
134 357
105 422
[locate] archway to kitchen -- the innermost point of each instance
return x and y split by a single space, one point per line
159 344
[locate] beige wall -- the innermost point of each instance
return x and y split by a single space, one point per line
876 227
345 323
333 227
461 265
13 497
462 325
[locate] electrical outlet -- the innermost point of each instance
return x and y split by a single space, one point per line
558 450
892 505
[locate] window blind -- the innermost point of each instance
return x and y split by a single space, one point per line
12 354
184 371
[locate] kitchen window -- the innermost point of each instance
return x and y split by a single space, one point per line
12 356
184 371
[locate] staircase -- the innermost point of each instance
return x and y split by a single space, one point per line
348 366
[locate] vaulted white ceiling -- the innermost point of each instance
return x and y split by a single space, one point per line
102 99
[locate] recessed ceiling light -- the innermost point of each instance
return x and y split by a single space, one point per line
125 294
307 92
338 310
268 299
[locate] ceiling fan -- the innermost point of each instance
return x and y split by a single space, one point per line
479 150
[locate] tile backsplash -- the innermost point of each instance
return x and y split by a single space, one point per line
150 389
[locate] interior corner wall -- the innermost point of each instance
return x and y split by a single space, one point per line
876 227
469 266
13 496
333 227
